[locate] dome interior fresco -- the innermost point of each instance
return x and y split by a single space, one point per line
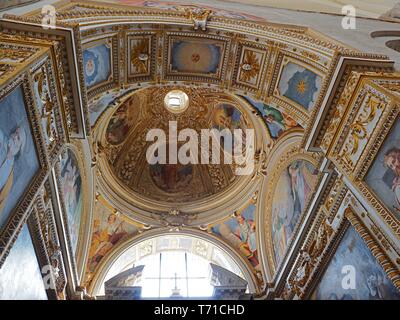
142 110
115 94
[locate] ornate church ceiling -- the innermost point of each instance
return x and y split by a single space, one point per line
239 72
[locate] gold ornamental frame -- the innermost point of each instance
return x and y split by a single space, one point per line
15 221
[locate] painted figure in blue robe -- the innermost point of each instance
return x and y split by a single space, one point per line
18 157
300 187
10 149
276 121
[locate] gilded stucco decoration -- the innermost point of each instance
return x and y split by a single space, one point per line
43 222
356 133
325 117
359 138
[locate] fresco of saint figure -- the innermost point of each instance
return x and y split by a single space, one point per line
246 232
10 148
108 231
240 231
171 177
71 187
383 176
226 116
392 176
276 121
292 193
18 158
122 121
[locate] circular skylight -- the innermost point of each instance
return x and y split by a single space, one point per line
176 101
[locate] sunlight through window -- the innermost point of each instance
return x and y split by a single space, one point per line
175 273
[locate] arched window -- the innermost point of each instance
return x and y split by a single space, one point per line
174 265
175 273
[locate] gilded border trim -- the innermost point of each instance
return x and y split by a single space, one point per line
20 213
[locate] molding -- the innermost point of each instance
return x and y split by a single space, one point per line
107 262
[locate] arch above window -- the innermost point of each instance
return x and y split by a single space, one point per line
165 255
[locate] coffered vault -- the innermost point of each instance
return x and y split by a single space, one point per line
95 85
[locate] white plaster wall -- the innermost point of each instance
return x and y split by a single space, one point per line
328 24
27 8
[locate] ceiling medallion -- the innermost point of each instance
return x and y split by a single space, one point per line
247 67
176 101
143 57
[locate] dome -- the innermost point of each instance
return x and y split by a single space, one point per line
125 135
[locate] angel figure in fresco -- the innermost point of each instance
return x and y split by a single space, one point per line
277 121
105 238
392 177
246 232
226 117
10 149
122 121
